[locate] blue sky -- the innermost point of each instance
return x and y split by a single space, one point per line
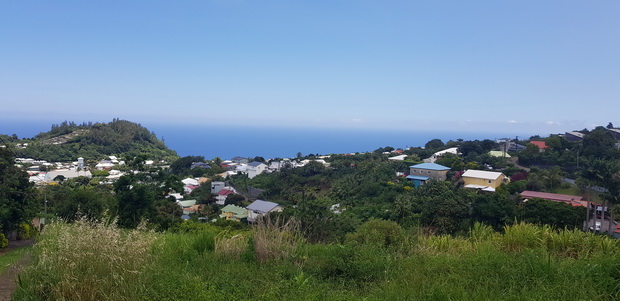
496 66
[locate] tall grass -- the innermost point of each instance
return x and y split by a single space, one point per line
271 262
275 239
87 261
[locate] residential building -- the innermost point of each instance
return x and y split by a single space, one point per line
484 180
259 208
435 156
217 186
423 172
234 213
220 199
67 174
542 146
190 181
398 158
573 136
572 200
255 168
499 154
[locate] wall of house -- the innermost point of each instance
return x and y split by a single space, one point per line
439 175
484 182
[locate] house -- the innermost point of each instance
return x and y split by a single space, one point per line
187 189
398 158
572 200
255 168
67 174
190 181
217 186
234 213
239 160
259 208
542 146
483 180
186 203
199 165
435 156
222 195
573 136
499 154
423 172
615 133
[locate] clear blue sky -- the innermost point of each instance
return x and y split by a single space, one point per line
542 66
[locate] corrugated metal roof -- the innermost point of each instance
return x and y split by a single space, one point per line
418 178
430 166
481 174
262 206
550 196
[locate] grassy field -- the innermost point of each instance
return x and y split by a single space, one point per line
86 261
11 257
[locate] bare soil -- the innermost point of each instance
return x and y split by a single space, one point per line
8 279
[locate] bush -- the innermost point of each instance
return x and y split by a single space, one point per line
26 231
3 241
378 232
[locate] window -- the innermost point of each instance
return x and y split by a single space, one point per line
489 181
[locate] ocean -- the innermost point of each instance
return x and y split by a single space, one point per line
269 142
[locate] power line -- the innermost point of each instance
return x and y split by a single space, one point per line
8 147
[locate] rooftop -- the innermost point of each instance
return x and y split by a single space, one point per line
430 166
481 174
262 206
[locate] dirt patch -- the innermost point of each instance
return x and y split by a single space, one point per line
8 279
15 244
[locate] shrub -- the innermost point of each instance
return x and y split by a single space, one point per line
378 232
26 231
3 241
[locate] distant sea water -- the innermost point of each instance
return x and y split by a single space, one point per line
269 142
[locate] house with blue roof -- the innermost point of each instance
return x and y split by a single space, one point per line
420 173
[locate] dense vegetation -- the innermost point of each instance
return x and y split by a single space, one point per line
379 261
353 229
68 141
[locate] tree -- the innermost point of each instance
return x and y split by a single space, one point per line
610 125
559 215
599 143
434 144
17 202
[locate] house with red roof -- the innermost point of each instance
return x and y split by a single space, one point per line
540 144
223 194
573 200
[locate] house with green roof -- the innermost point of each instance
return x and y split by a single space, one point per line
234 213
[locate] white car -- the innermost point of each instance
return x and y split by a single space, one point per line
597 227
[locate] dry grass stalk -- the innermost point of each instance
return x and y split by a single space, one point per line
230 247
275 239
90 261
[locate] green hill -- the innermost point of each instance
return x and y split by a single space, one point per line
68 141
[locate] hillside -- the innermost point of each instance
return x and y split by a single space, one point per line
68 141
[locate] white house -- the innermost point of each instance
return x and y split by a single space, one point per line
259 208
190 181
435 156
67 174
255 168
398 158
